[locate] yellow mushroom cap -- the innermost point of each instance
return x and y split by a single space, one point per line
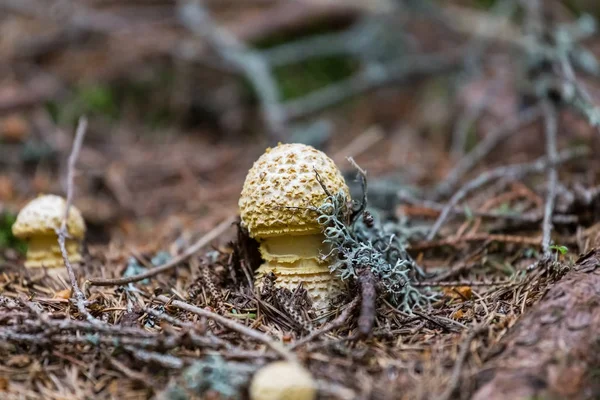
44 214
280 186
283 380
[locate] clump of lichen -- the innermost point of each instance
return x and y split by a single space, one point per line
210 374
362 242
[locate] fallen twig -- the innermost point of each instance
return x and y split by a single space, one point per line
62 232
135 375
516 171
235 326
478 237
166 360
464 283
368 297
460 360
371 78
483 148
203 241
550 132
336 323
433 209
469 117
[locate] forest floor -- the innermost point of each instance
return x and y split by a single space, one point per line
505 228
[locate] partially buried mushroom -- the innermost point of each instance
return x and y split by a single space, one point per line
37 224
277 207
283 380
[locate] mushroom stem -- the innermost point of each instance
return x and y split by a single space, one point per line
299 259
43 251
291 248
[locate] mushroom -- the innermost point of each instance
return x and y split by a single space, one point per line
277 207
37 223
283 380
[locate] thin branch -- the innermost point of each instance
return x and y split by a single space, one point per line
505 282
341 320
234 326
477 237
460 360
362 174
77 143
581 99
166 360
72 14
468 119
359 144
62 233
329 44
249 62
135 375
516 171
483 148
534 216
203 241
371 77
550 127
360 38
368 298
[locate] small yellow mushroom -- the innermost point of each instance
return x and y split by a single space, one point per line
275 207
283 380
37 223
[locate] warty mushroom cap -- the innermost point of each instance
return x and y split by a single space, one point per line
44 214
282 184
283 380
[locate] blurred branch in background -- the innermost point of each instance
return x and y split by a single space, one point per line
67 14
359 40
375 41
372 77
249 62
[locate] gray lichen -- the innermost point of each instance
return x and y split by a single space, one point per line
212 373
358 245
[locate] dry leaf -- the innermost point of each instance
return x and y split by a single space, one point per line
459 292
63 294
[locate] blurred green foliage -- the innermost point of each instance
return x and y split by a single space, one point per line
485 4
147 97
98 99
88 99
482 4
583 6
299 79
7 239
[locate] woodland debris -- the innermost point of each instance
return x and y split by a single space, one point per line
552 351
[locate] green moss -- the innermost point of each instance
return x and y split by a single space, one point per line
7 239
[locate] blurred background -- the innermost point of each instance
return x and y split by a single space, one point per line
183 96
459 111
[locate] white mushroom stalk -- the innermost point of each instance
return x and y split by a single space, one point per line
277 207
37 224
